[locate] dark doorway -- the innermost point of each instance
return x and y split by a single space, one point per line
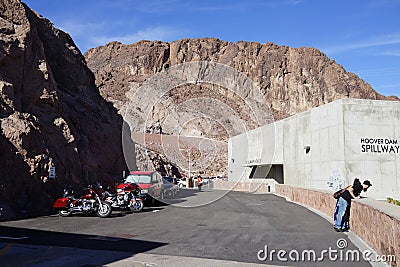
274 171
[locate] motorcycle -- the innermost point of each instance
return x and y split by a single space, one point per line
88 203
126 197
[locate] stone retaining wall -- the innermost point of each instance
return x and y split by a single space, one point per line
255 187
379 230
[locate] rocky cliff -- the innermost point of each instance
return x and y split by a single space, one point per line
289 81
51 115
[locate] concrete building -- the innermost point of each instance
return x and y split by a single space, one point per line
324 148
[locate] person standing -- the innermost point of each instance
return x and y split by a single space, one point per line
199 182
346 216
344 202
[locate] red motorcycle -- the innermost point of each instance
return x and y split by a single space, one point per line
127 197
88 203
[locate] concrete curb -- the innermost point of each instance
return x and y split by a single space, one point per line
146 260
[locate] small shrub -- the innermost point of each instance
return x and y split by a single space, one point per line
393 201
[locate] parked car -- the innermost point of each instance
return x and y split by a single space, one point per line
170 186
150 182
205 180
181 183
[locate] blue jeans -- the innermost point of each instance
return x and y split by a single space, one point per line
341 209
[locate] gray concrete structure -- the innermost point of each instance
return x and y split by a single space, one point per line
325 148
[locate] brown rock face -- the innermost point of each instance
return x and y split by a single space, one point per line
51 115
291 80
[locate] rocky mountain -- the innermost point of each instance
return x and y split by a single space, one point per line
288 81
51 115
291 79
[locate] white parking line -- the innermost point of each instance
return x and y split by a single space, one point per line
13 238
104 238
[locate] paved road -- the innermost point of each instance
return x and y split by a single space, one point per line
234 229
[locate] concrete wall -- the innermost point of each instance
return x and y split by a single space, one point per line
237 157
320 129
334 133
256 147
379 121
266 186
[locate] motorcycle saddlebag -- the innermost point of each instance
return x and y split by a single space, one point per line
61 203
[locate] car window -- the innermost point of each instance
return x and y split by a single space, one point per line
138 178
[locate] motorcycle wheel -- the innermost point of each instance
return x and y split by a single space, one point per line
104 211
137 207
65 213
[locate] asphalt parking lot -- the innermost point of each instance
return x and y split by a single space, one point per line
213 228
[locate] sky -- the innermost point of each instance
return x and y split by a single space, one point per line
361 35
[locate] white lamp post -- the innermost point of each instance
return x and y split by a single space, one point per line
188 152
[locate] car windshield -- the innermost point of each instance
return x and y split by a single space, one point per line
138 179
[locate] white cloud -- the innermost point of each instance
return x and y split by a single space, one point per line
394 53
81 28
163 6
219 8
391 86
162 33
88 35
294 2
388 89
383 3
377 41
387 71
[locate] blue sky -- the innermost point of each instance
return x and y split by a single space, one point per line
361 35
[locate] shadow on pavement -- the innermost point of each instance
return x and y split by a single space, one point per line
181 197
82 241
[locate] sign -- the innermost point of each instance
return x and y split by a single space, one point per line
336 181
380 145
253 161
52 172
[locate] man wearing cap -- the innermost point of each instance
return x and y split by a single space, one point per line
345 200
